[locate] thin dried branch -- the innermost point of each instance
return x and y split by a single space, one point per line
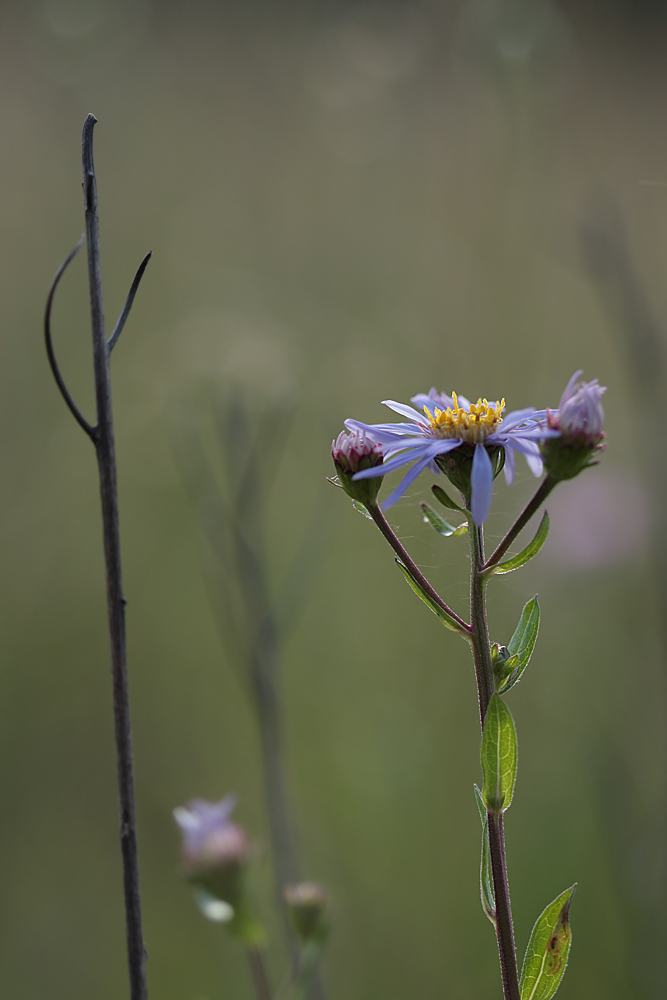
60 381
122 319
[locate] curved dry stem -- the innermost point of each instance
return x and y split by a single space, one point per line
60 381
122 319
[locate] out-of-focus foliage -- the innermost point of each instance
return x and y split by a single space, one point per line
351 202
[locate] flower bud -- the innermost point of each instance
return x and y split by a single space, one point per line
503 664
215 850
308 905
578 420
352 453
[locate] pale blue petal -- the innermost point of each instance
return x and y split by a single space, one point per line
481 482
509 465
525 446
407 480
569 388
536 433
516 416
434 398
391 465
531 453
535 464
395 430
404 410
540 414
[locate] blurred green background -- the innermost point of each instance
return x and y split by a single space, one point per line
347 202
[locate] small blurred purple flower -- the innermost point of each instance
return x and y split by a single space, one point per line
579 417
210 840
307 903
447 423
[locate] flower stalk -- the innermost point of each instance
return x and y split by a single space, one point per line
504 924
533 505
481 644
417 575
481 650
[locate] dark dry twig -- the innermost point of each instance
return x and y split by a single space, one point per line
118 329
102 436
106 462
60 381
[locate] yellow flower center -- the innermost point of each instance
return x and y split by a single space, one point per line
473 425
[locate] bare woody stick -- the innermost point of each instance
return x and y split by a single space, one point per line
102 436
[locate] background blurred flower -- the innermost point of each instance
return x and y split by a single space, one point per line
215 850
308 903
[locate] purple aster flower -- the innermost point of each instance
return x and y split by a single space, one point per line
483 437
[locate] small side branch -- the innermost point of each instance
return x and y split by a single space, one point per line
60 381
543 492
382 523
118 329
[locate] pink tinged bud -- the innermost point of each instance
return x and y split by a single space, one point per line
579 421
355 452
580 416
308 905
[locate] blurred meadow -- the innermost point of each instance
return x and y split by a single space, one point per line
346 202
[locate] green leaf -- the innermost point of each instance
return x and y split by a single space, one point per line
530 550
439 523
499 756
445 499
547 951
522 643
429 602
362 510
485 884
